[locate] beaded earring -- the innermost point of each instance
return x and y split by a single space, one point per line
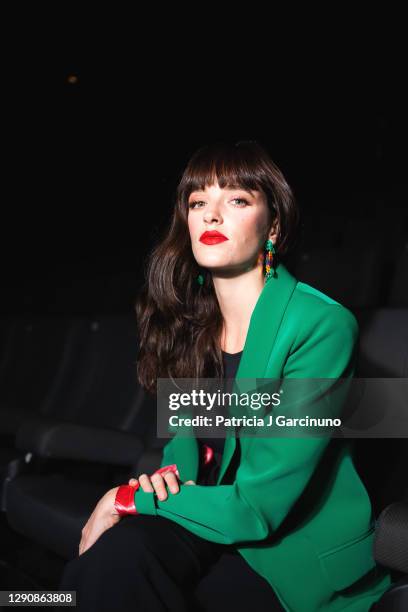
269 252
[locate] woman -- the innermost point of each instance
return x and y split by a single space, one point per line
289 520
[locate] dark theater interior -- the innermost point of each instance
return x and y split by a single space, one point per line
96 132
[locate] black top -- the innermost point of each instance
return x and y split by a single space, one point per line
208 474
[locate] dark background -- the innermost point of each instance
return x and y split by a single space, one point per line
101 108
102 112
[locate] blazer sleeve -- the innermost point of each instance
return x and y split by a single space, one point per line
272 476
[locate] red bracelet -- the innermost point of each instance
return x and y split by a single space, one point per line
125 499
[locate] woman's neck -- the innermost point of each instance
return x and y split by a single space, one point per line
237 297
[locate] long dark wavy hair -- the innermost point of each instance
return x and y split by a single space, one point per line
179 321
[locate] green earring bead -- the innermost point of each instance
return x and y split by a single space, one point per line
200 279
269 246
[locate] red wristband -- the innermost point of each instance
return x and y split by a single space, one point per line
125 499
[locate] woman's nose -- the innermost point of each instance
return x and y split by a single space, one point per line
212 214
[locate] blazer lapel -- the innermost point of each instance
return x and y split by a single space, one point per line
263 328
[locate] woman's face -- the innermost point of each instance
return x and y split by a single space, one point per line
242 217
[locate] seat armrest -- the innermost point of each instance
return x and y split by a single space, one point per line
52 438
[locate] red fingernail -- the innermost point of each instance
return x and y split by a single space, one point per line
168 468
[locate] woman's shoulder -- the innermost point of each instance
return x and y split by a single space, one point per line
313 308
322 334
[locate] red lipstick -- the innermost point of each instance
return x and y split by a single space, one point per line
212 237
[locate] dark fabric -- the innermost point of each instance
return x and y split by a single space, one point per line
208 474
153 564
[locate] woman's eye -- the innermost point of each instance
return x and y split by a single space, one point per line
241 200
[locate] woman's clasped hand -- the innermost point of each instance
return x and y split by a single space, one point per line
156 483
105 515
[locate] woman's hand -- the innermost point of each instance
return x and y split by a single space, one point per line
102 518
105 515
158 480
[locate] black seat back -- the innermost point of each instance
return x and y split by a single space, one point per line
382 462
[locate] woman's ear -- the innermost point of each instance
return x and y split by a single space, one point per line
274 231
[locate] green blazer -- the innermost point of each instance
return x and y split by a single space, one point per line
319 557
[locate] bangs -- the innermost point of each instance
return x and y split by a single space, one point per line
230 166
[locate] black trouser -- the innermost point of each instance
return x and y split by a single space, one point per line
151 564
